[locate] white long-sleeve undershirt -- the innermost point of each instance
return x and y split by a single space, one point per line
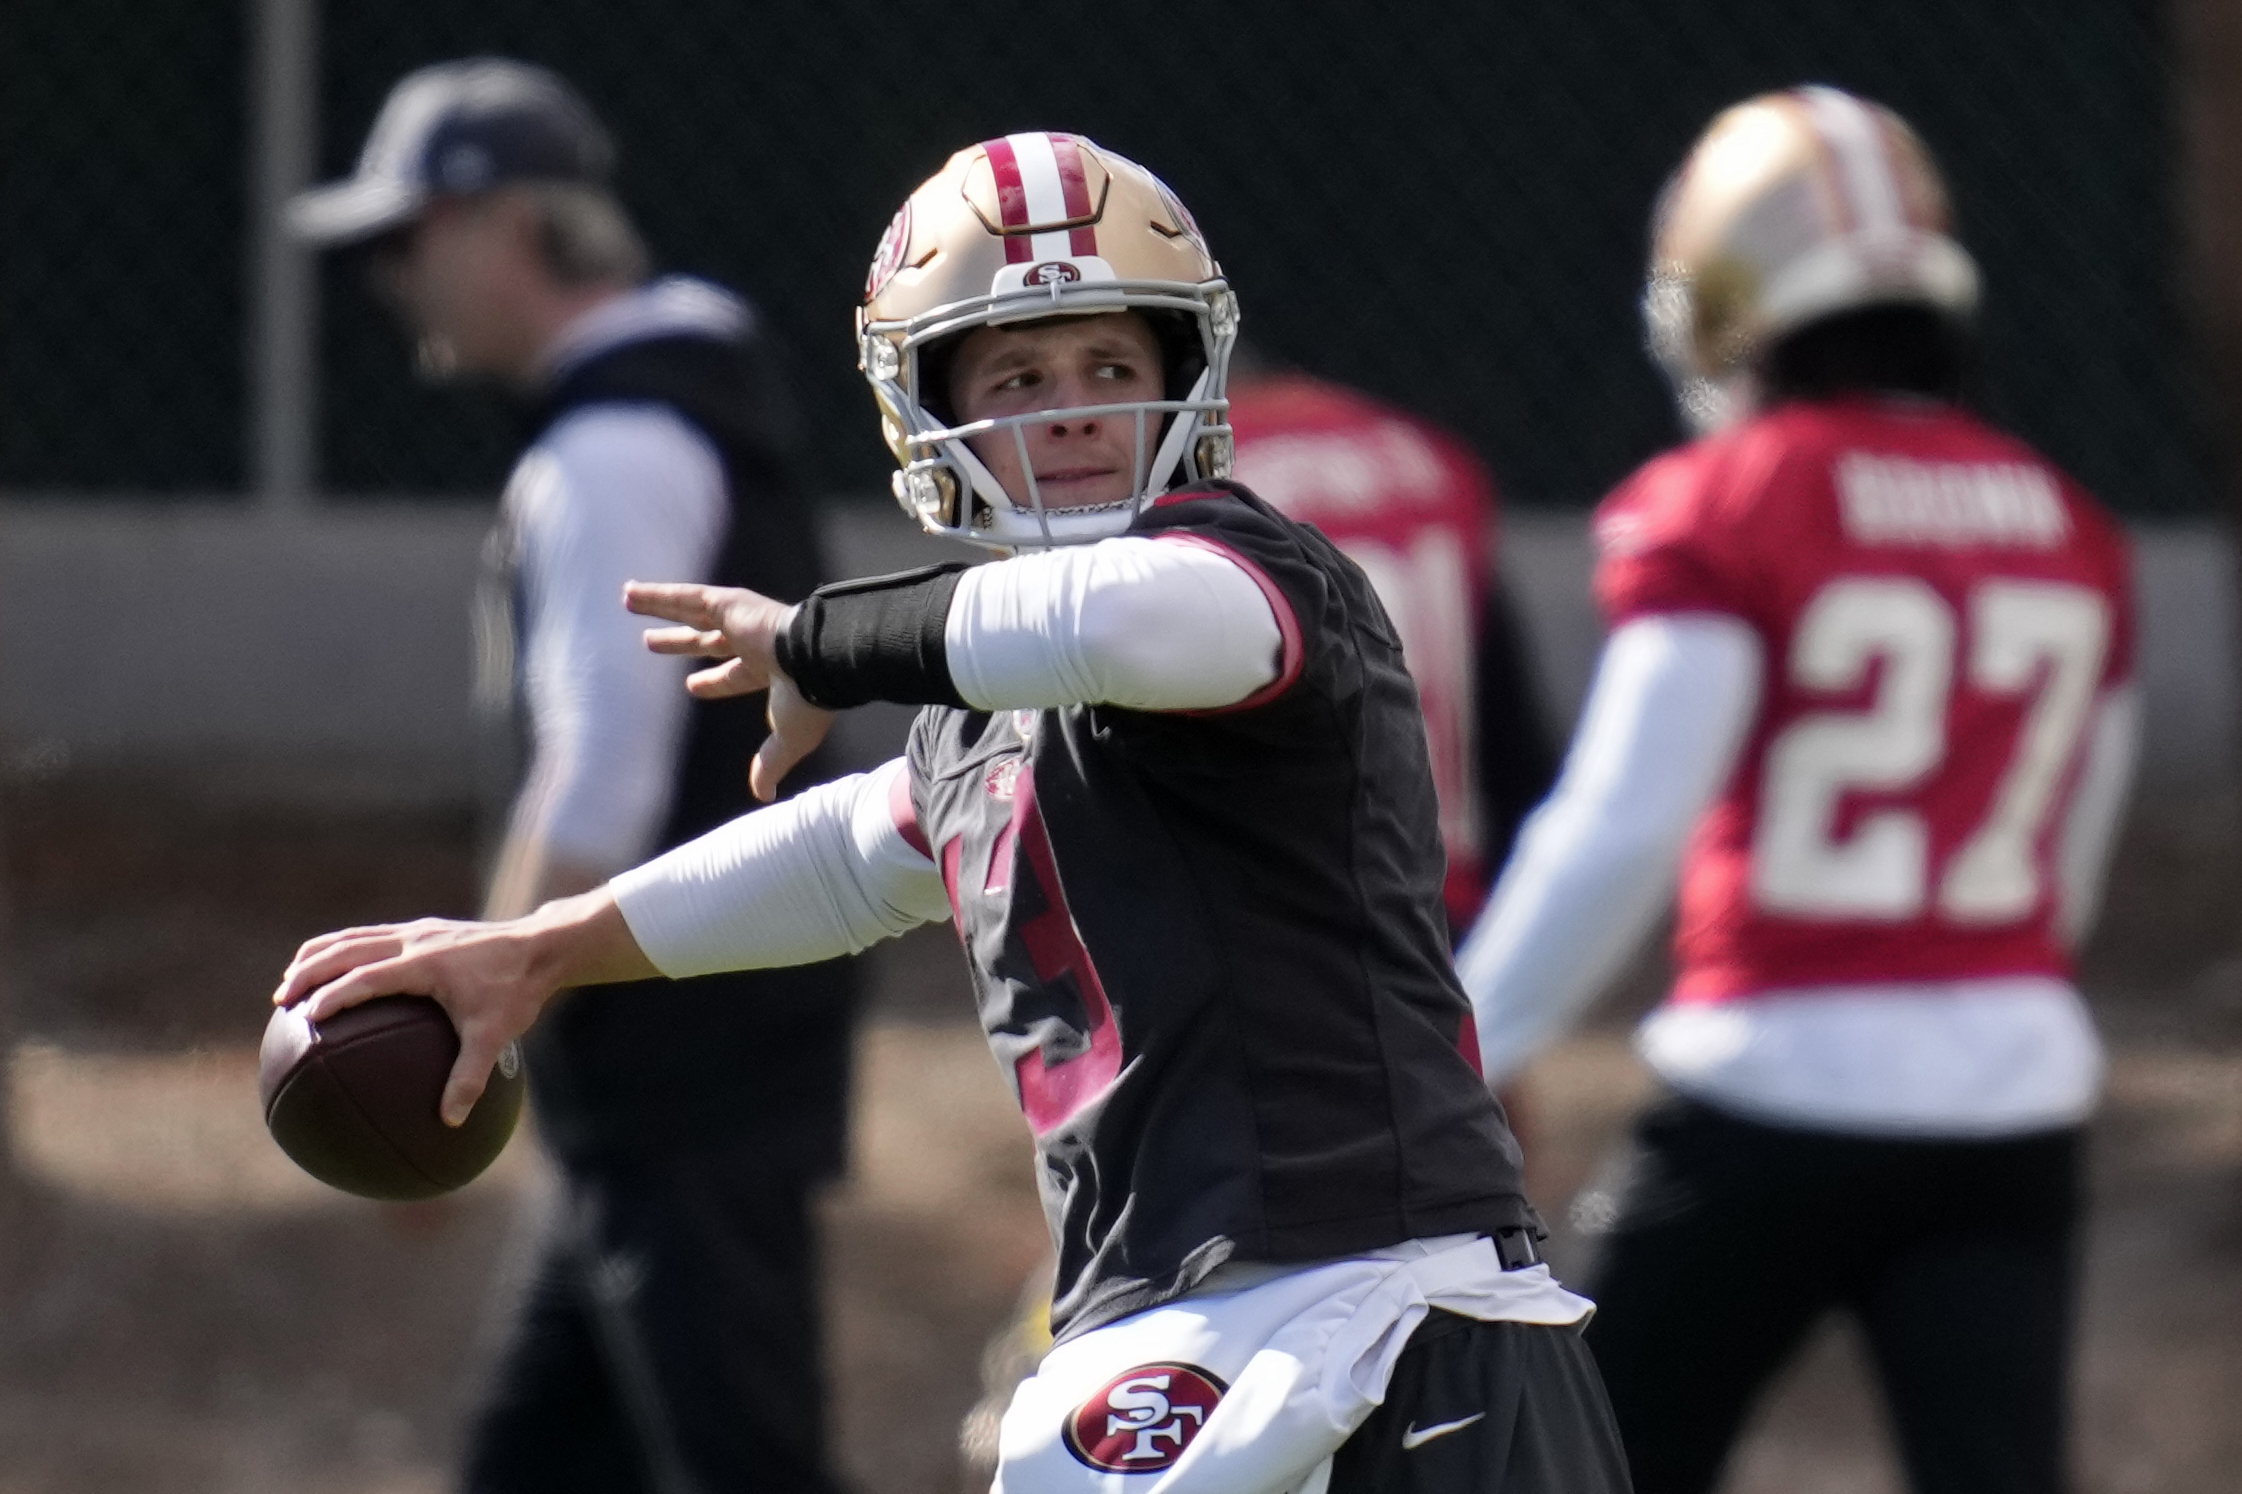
1138 621
1134 621
1595 864
1672 700
609 493
825 873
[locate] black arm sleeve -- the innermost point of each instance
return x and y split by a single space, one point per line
877 639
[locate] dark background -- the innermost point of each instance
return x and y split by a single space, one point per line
1444 203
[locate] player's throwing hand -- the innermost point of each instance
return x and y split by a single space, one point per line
492 979
741 629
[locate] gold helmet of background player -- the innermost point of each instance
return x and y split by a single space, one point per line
1016 229
1791 207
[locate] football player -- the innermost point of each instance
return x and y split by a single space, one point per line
1869 683
1409 504
1171 787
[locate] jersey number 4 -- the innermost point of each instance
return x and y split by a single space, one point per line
1052 1090
2037 639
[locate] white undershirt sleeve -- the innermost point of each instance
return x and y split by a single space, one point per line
610 492
1595 864
2113 744
826 873
1136 621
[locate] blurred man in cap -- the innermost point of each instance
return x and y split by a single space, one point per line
670 1342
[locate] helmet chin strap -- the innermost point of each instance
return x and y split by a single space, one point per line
1182 431
978 477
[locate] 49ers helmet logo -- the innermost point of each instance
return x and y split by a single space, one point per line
888 258
1052 272
1140 1421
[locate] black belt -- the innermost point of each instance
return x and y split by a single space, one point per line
1514 1247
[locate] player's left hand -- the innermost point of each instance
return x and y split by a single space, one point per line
728 623
740 628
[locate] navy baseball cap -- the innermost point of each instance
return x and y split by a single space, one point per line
450 130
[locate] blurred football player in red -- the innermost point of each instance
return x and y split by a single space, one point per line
1171 787
1412 506
1869 686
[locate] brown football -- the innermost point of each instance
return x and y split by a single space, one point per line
353 1099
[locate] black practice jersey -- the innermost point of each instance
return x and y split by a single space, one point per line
1209 948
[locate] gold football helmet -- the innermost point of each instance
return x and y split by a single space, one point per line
1024 227
1791 207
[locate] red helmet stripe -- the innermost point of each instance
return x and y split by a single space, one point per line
1916 209
1849 132
1011 198
1829 180
1075 183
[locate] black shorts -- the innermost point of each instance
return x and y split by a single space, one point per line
1733 1239
1487 1408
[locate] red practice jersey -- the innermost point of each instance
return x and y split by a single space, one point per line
1940 611
1416 510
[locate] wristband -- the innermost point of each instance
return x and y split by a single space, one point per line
876 639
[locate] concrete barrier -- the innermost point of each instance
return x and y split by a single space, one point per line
326 651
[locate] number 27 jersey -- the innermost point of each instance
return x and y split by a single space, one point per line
1941 613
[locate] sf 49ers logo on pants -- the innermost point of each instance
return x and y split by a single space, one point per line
1141 1420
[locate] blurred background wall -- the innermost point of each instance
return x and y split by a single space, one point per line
216 442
